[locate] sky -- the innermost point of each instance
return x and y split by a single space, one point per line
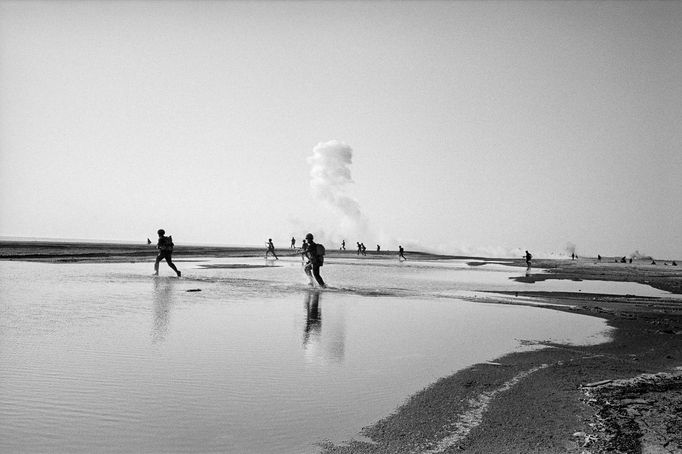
458 127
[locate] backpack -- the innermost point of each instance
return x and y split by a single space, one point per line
320 251
167 244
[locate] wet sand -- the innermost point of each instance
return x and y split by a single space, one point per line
622 396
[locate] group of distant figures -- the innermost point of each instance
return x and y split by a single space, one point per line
362 249
312 254
528 258
624 260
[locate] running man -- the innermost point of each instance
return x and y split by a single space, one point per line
165 247
529 256
401 253
271 249
293 243
315 261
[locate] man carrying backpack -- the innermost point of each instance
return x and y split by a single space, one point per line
315 254
165 246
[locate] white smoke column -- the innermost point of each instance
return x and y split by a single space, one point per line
330 177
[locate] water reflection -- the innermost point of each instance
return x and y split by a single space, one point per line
321 346
163 302
313 320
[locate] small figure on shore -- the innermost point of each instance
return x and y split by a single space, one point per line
343 245
271 249
622 260
598 258
149 241
304 248
359 248
528 258
653 262
630 259
165 247
363 248
378 248
572 256
293 243
401 253
674 263
315 254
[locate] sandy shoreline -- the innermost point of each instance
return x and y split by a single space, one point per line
622 396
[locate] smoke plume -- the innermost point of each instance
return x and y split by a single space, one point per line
330 178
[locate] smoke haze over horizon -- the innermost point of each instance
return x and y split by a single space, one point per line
468 126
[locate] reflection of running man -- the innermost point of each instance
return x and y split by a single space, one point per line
271 249
165 246
401 253
313 319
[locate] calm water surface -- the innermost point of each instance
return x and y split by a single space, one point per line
106 358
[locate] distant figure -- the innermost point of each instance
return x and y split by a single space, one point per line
598 258
401 253
293 243
674 263
653 262
363 248
149 241
630 259
378 248
359 248
572 256
622 260
343 245
528 257
271 249
165 247
315 261
304 248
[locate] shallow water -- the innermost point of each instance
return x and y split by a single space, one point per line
105 357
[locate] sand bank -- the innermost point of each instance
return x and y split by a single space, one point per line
559 399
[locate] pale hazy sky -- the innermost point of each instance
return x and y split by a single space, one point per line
473 124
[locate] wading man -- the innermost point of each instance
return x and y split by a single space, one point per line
165 247
315 254
271 249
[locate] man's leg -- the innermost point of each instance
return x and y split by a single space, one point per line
169 260
156 264
316 273
308 272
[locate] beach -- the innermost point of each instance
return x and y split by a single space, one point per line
617 396
621 396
